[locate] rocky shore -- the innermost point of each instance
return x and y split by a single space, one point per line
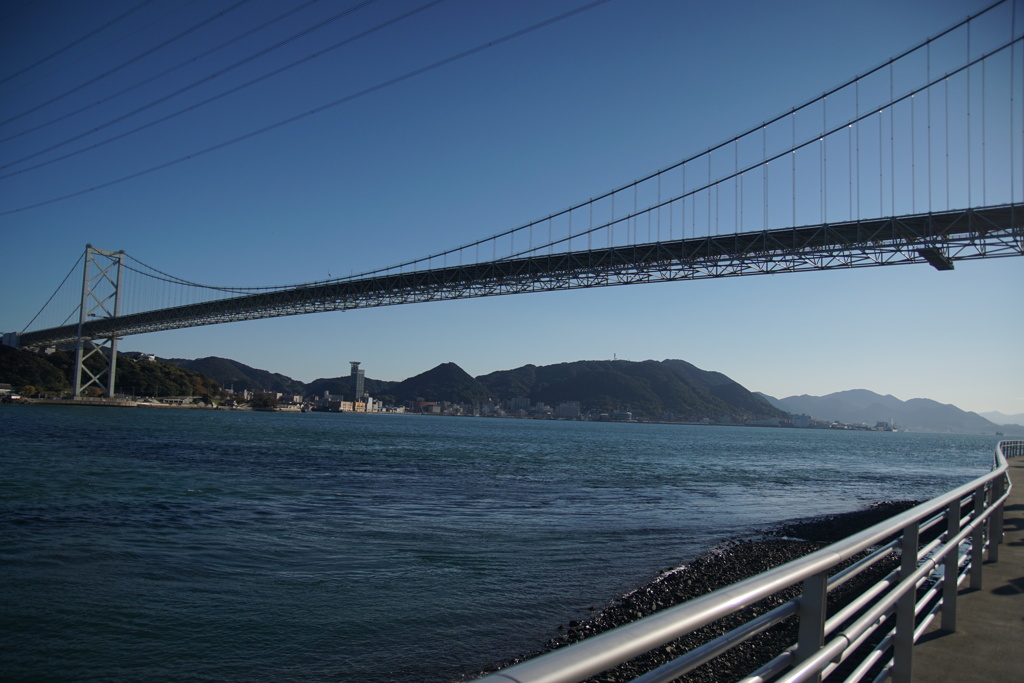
725 564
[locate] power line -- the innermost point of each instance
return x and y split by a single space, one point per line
214 98
330 105
122 65
163 73
205 79
75 42
118 39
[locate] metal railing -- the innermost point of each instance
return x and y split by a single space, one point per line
872 635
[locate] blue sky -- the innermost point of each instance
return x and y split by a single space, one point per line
510 134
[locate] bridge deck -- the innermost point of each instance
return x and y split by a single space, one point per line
988 644
936 238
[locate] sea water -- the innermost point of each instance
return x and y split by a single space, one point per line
167 545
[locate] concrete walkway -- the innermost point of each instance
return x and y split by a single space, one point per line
988 645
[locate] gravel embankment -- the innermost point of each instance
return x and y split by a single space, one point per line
728 563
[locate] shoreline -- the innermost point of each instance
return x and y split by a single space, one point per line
726 563
133 403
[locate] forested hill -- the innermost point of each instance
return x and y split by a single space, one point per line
653 388
53 374
239 377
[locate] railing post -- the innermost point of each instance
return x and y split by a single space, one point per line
951 569
995 537
978 539
903 646
813 602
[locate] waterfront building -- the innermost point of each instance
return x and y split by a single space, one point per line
519 403
568 410
358 377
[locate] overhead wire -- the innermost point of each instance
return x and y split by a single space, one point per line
174 280
191 86
335 103
96 79
105 46
208 100
75 42
165 72
711 150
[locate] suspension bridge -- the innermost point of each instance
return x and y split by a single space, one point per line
919 160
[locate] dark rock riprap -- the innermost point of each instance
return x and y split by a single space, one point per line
726 564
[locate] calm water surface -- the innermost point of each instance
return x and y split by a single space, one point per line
234 546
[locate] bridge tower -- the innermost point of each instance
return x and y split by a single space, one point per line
101 298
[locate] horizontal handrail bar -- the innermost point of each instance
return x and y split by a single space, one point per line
708 651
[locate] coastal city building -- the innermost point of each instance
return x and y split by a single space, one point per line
358 377
570 409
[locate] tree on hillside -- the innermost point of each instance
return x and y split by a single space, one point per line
263 402
19 367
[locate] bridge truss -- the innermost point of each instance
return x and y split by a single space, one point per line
939 239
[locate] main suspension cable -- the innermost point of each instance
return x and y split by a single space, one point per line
55 292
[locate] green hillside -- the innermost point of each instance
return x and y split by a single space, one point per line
234 375
655 389
22 369
54 374
446 382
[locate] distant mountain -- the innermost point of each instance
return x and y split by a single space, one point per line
446 382
863 406
651 388
234 375
1004 419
